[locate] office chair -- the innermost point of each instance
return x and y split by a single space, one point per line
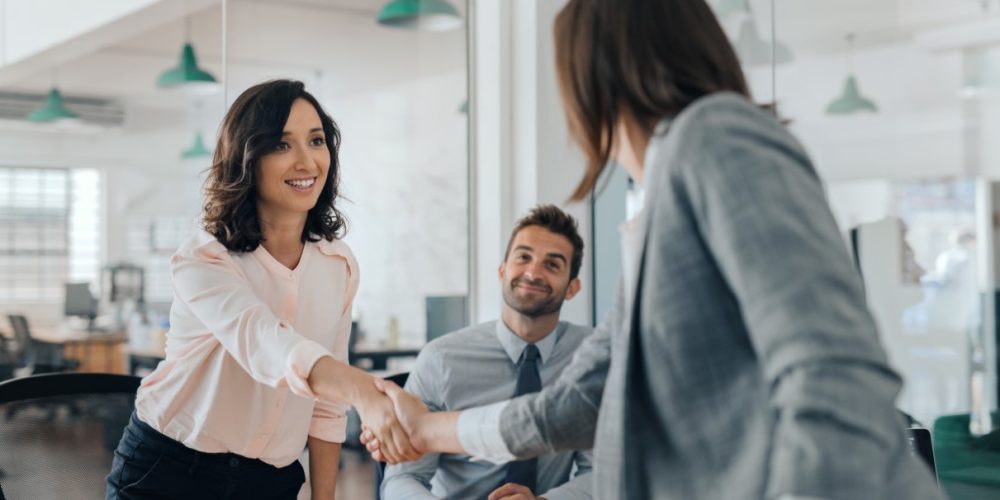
400 380
968 467
64 458
9 358
39 356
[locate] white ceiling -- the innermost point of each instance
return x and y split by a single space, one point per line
338 40
819 27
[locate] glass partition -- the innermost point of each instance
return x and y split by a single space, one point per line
399 98
897 105
111 171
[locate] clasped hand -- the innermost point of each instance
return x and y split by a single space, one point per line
390 424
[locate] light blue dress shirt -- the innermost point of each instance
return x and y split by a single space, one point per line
473 367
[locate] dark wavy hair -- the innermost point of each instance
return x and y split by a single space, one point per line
251 129
553 219
647 58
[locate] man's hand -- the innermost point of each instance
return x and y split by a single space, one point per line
513 491
378 414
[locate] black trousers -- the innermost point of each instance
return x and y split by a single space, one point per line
149 465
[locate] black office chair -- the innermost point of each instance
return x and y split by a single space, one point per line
400 380
65 457
9 357
37 355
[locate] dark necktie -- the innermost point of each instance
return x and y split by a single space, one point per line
525 472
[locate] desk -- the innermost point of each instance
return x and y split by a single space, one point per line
98 351
380 355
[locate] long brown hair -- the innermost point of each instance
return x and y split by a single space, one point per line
647 58
251 129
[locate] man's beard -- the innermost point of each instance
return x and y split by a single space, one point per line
534 309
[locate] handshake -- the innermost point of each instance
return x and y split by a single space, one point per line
397 427
395 423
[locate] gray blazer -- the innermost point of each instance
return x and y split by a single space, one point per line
745 363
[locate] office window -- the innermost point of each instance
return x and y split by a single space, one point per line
50 231
151 242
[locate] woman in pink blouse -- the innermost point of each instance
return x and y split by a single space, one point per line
255 358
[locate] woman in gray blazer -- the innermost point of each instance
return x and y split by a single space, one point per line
740 360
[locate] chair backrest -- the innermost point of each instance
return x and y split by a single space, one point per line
37 355
19 324
58 433
400 380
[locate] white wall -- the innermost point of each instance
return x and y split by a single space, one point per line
405 169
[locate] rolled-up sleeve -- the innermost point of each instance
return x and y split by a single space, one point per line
329 420
217 293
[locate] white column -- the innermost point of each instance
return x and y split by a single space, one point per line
521 154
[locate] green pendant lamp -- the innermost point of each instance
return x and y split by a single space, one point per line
753 49
727 7
420 15
850 100
54 110
197 150
187 75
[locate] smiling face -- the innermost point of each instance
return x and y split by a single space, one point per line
293 174
535 274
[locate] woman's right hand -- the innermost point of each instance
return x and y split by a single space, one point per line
409 409
337 381
378 416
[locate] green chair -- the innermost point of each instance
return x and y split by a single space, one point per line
968 467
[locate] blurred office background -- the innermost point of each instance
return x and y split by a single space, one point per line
120 184
452 129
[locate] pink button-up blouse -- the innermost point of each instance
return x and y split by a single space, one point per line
245 331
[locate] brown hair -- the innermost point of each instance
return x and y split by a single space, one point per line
251 129
555 221
647 58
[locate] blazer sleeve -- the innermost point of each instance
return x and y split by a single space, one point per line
761 210
329 418
563 416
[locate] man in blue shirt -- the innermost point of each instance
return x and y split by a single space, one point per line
494 361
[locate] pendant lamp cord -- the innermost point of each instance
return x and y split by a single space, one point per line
850 52
774 63
225 55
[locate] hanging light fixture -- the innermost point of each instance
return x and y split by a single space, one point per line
420 15
752 49
850 100
197 149
54 110
187 76
727 7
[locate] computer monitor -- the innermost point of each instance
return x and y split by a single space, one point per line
446 314
80 302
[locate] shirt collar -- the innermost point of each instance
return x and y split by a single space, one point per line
514 345
653 146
